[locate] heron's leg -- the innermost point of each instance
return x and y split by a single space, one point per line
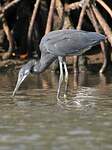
66 78
61 76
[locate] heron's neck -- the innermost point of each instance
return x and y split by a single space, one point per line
44 62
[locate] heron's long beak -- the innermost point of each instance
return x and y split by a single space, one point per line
20 80
23 73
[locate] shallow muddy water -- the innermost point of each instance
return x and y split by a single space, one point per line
33 120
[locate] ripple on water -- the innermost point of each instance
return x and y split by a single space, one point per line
33 120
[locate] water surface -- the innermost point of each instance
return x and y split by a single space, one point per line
34 121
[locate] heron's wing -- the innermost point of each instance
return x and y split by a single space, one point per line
70 42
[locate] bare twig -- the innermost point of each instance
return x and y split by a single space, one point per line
50 17
8 35
103 23
73 6
105 6
59 8
31 25
77 5
9 38
95 24
5 8
14 2
60 11
82 14
80 25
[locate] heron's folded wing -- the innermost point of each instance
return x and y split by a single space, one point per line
70 42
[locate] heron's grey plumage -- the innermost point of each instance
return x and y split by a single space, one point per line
56 45
45 60
69 42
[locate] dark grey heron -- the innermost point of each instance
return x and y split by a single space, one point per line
57 45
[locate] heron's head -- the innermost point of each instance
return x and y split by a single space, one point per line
23 73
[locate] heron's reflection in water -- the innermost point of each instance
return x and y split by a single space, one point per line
86 86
